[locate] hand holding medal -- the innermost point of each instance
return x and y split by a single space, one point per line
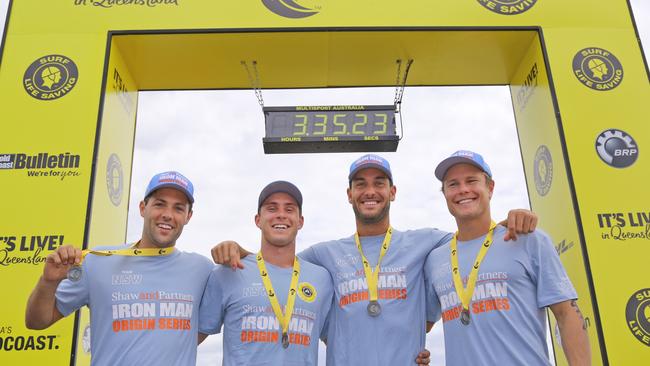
59 263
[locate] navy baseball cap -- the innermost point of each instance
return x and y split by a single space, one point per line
172 179
370 161
280 186
462 157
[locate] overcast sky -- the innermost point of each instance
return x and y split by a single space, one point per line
183 131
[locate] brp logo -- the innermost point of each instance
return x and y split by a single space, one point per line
617 148
289 9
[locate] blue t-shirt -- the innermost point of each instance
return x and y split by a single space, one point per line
252 334
517 280
143 310
397 335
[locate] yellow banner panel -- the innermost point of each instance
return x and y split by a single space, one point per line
603 96
88 16
548 185
49 88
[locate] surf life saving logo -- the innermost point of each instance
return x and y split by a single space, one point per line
597 69
290 8
50 77
543 170
637 315
508 7
114 179
307 292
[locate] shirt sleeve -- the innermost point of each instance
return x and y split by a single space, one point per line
310 256
70 296
553 283
441 238
433 308
212 309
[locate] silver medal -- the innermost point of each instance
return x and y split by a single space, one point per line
374 309
285 340
74 273
464 316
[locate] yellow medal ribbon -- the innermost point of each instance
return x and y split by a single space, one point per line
465 294
74 273
132 251
285 318
372 277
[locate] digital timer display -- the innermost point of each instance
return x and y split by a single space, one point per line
330 129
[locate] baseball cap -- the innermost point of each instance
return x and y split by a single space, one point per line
370 161
171 179
280 186
462 156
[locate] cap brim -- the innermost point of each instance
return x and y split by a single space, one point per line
369 166
444 165
176 187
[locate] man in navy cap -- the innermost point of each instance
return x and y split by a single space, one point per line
379 312
492 295
143 297
274 309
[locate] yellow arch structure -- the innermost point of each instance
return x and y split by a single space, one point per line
71 70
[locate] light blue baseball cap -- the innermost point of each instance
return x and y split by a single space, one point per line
171 179
462 157
370 161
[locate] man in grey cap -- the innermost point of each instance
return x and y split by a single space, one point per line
143 297
273 310
377 272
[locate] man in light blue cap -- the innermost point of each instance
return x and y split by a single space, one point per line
379 312
143 297
492 295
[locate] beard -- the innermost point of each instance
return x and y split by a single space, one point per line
371 219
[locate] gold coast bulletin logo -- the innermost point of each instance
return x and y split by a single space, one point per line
50 77
291 8
597 69
508 7
307 292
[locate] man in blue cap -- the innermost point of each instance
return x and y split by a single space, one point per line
499 316
143 297
379 312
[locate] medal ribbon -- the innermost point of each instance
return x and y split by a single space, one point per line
132 251
373 276
273 299
465 294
